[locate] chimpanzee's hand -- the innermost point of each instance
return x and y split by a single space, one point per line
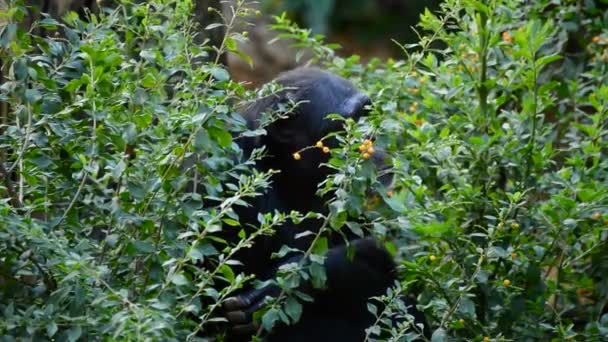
239 310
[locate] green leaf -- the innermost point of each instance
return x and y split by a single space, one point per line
179 279
293 309
220 74
144 246
223 138
548 59
32 96
477 141
439 335
230 43
231 222
434 228
321 246
51 329
270 318
74 333
214 25
201 141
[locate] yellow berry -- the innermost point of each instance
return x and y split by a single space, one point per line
371 150
412 109
297 156
362 148
365 155
606 222
486 339
597 216
415 104
513 255
432 258
461 321
515 225
367 142
325 149
506 282
461 46
319 144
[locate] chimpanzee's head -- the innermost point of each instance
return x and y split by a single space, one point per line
308 94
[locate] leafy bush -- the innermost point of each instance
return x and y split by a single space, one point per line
497 144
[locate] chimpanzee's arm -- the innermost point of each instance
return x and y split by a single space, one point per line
351 278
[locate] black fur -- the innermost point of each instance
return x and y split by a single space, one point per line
339 312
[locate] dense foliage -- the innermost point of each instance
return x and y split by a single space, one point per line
497 144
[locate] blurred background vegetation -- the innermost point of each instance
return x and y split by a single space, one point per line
498 138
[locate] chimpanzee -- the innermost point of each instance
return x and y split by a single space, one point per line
339 311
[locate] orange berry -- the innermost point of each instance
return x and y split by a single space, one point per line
583 292
325 149
506 282
319 144
389 193
596 39
371 150
365 155
367 142
606 222
362 148
597 216
507 37
297 156
418 122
